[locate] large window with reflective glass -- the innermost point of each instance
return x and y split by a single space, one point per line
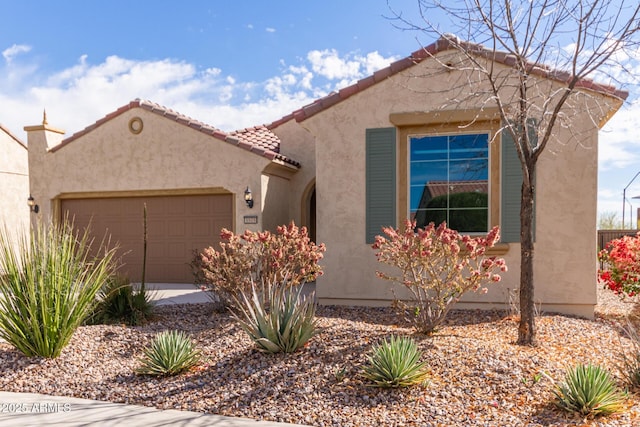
449 181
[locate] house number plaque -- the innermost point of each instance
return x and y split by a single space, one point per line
251 219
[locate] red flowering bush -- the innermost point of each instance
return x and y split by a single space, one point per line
437 266
621 259
257 257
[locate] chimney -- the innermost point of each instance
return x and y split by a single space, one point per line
43 137
40 139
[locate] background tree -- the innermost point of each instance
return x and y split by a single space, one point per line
609 221
566 41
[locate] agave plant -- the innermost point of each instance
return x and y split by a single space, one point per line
589 390
278 319
170 353
49 286
395 363
119 302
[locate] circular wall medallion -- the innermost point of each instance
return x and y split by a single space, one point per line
135 125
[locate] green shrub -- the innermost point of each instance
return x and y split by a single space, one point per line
395 363
589 390
120 303
170 353
278 319
49 286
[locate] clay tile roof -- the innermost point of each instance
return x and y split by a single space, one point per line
12 136
446 42
258 140
259 136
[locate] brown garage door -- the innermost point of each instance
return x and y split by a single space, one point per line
176 225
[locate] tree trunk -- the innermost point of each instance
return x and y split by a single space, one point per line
526 329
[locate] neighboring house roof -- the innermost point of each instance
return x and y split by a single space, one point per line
258 139
440 188
440 45
15 138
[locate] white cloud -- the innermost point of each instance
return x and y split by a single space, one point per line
329 64
345 69
619 145
84 92
373 61
15 50
270 30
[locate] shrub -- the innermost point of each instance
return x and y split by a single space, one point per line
170 353
622 258
257 257
395 363
278 319
49 286
631 368
630 359
437 266
120 303
589 390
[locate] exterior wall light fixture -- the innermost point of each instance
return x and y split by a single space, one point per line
32 204
248 197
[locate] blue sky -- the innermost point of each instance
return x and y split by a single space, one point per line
229 64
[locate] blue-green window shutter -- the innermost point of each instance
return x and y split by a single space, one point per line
380 181
511 179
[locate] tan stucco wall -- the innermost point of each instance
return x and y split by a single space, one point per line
565 267
297 143
14 185
276 197
166 157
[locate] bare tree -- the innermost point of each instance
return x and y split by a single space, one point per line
609 221
564 41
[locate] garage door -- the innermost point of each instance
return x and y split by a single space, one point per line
176 226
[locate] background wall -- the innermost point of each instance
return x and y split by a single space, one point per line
14 184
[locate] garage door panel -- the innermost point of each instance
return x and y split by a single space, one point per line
176 250
176 226
155 227
223 208
156 251
202 228
219 224
176 207
203 206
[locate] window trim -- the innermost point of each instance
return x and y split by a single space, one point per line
490 160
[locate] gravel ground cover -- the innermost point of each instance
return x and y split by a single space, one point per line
478 376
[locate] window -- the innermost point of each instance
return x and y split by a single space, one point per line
449 181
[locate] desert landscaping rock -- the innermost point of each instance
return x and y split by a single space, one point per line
478 375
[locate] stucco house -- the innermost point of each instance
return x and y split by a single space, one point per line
191 176
390 147
14 183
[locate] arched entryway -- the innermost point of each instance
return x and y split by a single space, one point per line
309 209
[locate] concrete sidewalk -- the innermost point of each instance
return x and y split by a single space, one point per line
181 293
175 293
25 409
